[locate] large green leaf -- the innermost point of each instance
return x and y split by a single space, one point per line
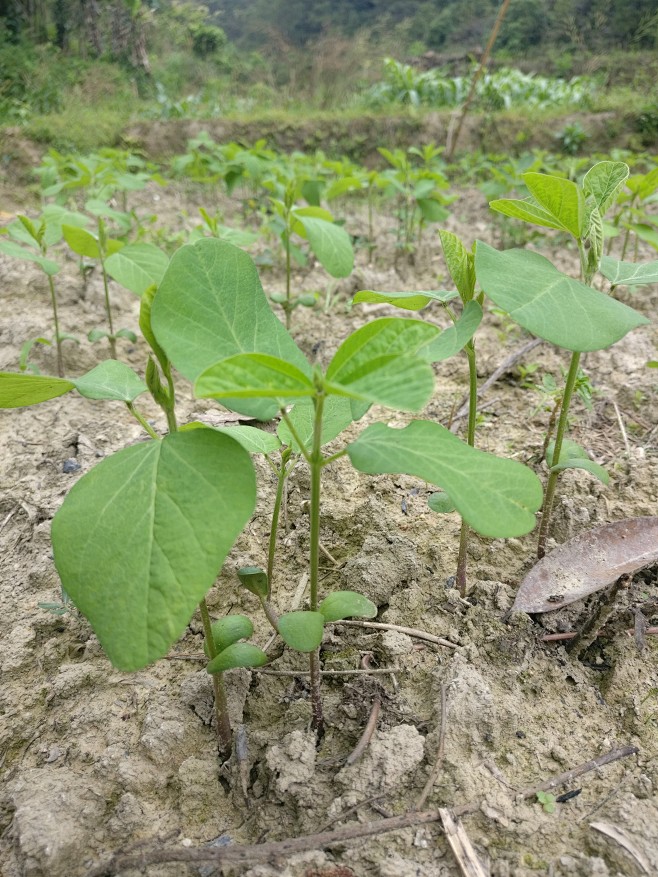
628 273
253 440
253 376
526 211
604 181
111 380
140 539
497 497
137 266
549 304
331 244
17 391
402 382
210 305
454 338
408 301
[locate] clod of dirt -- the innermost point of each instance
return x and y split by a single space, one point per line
381 567
388 762
292 763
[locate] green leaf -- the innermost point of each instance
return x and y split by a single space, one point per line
97 335
604 181
237 655
13 249
81 241
401 382
55 217
573 456
409 301
209 306
388 336
441 503
549 304
229 630
628 273
253 440
495 496
137 266
456 337
302 631
17 391
331 244
526 211
346 604
140 539
253 376
111 380
254 579
561 198
645 232
336 416
460 264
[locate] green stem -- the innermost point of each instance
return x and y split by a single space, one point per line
282 474
270 613
460 578
58 340
224 732
315 462
551 484
288 271
142 421
108 311
170 412
293 432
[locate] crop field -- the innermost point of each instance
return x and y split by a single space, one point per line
329 497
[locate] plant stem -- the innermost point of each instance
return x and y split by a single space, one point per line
288 270
551 484
108 311
142 421
460 577
282 474
58 340
170 412
315 462
221 707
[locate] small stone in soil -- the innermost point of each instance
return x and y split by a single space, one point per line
70 465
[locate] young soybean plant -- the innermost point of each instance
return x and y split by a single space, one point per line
208 315
140 539
458 337
549 304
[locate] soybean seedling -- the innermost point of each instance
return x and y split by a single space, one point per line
460 336
329 242
211 317
31 241
569 313
140 539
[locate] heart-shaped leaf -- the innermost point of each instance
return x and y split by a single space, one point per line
111 380
137 266
140 539
209 306
497 497
549 304
587 563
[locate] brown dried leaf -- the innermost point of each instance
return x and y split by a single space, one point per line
589 562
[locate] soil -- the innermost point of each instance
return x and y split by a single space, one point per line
94 760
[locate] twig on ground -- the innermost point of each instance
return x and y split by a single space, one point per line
438 761
410 631
253 853
622 428
570 775
461 846
368 731
344 813
572 634
505 366
381 671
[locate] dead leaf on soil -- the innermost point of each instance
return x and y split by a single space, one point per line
589 562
